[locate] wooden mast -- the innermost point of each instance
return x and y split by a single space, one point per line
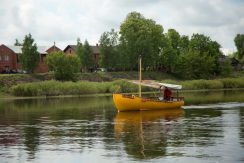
140 76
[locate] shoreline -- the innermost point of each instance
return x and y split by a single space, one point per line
4 96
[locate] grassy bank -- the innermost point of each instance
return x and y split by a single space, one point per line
55 88
224 83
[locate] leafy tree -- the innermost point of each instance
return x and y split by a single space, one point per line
184 43
170 50
168 56
65 67
86 57
195 65
140 36
239 42
204 45
79 49
226 68
108 48
30 56
17 43
173 39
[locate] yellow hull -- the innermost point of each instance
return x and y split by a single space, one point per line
134 103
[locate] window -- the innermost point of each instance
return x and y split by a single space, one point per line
6 57
0 57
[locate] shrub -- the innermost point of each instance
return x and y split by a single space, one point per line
65 67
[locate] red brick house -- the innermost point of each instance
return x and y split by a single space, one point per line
9 58
71 49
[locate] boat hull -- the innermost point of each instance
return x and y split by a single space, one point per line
134 103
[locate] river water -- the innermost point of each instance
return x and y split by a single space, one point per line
209 128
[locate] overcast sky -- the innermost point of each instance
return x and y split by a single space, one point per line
63 21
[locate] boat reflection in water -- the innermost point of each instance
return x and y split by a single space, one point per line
145 133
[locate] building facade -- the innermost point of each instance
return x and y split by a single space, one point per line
71 50
10 62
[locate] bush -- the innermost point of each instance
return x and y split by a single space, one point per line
233 82
202 84
65 67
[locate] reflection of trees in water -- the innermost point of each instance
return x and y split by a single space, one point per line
83 122
50 118
214 96
242 127
147 140
147 137
31 140
202 127
144 133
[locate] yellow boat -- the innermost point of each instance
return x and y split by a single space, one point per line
125 102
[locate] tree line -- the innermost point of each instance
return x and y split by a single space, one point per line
191 58
195 57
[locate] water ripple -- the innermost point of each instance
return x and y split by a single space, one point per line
218 105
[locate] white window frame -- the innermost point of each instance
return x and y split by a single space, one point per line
6 58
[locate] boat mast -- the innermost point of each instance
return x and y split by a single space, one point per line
140 76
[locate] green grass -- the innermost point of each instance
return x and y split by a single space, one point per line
213 84
102 82
56 88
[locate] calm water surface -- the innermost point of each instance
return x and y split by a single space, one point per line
210 128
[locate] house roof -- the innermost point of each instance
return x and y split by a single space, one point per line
18 49
70 46
95 49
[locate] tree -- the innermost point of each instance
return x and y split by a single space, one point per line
140 36
86 57
174 39
226 67
239 42
108 49
184 43
79 50
204 45
17 43
65 67
195 65
170 50
30 56
168 56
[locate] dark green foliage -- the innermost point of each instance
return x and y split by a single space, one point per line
197 57
225 68
65 67
140 36
79 49
239 42
86 57
194 65
29 57
110 57
17 43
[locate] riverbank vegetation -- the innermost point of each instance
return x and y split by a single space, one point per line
103 82
56 88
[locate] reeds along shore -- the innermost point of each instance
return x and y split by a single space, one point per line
55 88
